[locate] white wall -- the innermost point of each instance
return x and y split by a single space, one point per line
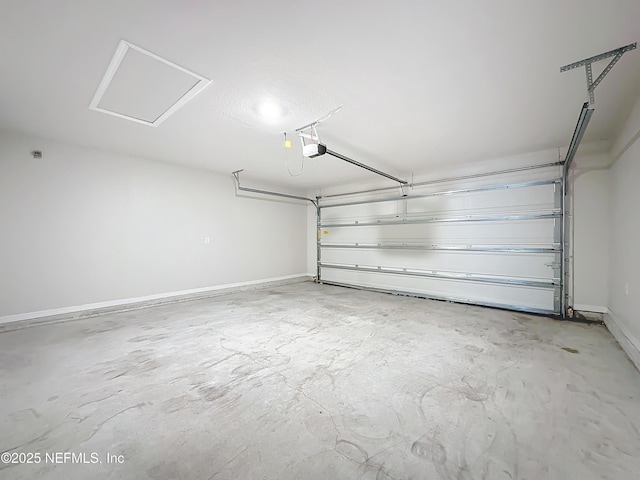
589 185
82 226
624 272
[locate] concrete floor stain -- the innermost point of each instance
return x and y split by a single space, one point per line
570 350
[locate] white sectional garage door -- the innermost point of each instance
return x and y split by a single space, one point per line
494 240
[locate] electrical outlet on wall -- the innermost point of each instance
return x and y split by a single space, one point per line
626 289
207 240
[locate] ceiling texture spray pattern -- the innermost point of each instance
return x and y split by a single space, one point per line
423 84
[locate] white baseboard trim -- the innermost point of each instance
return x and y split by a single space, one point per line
630 345
590 308
100 308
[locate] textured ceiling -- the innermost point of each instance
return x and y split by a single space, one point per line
423 84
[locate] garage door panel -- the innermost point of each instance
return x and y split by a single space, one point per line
537 198
497 245
357 212
512 265
467 292
533 232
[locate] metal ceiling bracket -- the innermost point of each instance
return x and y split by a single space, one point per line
583 121
591 84
312 135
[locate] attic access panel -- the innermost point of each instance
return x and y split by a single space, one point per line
143 87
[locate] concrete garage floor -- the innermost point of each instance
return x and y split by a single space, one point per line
307 381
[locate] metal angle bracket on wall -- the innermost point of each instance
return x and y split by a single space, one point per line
586 63
583 121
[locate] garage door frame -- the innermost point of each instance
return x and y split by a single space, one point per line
556 283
